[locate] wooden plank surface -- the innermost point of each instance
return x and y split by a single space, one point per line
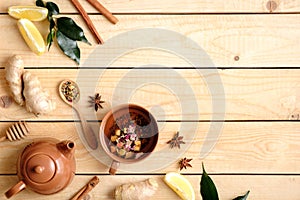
258 40
253 147
175 6
257 147
248 94
262 187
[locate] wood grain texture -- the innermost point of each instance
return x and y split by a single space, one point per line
258 40
254 147
174 6
227 188
250 94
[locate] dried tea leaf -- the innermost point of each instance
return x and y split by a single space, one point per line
5 101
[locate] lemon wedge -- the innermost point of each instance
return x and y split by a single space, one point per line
180 185
32 36
33 13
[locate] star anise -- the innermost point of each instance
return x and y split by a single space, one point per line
96 101
176 141
184 163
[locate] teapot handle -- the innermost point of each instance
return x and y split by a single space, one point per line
15 189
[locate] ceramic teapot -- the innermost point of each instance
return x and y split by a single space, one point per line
45 166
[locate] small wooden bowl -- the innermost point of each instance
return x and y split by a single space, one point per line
105 133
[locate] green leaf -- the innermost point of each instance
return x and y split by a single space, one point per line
40 3
208 189
52 24
50 38
51 34
68 46
244 197
52 9
70 29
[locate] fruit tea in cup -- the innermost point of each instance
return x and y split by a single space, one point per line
129 135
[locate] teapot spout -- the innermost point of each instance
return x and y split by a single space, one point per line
67 148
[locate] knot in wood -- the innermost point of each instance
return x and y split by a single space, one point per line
272 5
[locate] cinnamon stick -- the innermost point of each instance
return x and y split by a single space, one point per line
104 11
88 21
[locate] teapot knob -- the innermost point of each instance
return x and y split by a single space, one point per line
39 169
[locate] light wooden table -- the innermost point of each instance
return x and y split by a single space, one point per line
259 146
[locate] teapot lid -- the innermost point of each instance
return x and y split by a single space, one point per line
40 168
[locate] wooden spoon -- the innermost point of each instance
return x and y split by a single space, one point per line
65 88
83 193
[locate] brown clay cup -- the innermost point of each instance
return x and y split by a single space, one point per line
108 121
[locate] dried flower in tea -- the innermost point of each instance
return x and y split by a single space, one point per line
184 163
128 135
176 141
5 101
96 101
70 91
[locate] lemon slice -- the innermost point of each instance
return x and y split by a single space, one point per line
33 13
180 185
32 36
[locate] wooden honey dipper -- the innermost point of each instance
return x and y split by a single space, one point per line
17 131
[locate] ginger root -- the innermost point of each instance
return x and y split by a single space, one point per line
14 70
136 191
37 100
26 88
